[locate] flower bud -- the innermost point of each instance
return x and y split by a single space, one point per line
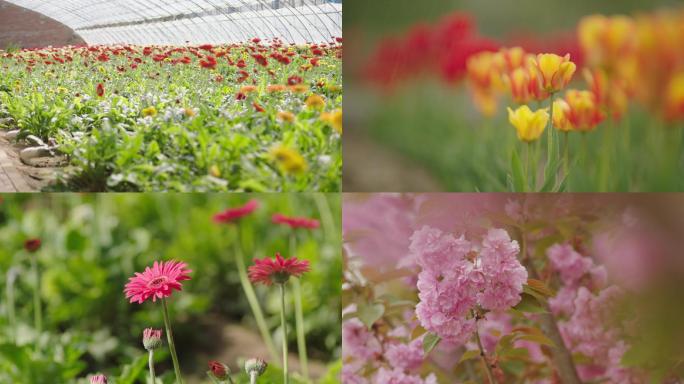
98 379
255 366
218 370
152 338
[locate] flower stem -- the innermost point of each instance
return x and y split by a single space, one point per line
566 145
37 310
284 326
11 317
299 315
251 297
527 167
252 378
172 346
488 369
151 364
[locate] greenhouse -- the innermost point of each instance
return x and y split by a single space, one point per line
171 95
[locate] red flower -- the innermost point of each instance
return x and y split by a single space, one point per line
260 59
218 370
256 40
294 80
209 63
100 90
295 222
103 57
258 107
32 245
233 214
206 47
278 270
157 282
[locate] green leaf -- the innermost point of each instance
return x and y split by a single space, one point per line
430 342
519 178
469 354
370 313
131 372
529 304
541 287
537 338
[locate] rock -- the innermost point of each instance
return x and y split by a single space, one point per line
11 135
27 154
35 140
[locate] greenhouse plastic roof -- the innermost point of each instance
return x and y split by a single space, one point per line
181 22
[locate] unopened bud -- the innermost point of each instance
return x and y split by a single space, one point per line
218 370
256 366
98 379
152 338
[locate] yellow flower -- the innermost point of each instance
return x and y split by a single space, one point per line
606 39
333 118
556 71
289 160
315 101
529 125
583 111
286 116
298 88
149 111
101 69
560 115
189 112
61 90
674 97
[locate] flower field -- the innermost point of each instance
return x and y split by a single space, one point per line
512 288
597 105
258 116
170 288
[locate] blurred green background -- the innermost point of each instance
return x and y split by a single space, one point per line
424 134
92 243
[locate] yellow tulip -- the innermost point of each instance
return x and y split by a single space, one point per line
556 71
560 115
674 98
530 125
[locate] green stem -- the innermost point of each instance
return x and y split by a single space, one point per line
11 317
527 167
488 369
37 310
172 346
299 315
251 297
566 144
252 378
151 364
550 143
284 326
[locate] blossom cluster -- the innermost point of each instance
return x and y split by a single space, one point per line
458 275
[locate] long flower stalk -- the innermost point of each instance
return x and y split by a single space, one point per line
251 296
37 309
172 346
9 290
284 326
151 365
299 315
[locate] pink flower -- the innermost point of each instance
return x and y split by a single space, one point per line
98 379
295 222
437 251
570 264
218 370
358 342
503 273
397 376
232 214
157 282
408 357
277 270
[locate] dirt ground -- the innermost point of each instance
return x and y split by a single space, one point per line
19 177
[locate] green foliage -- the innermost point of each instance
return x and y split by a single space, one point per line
92 243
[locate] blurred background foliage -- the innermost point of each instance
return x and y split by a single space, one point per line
92 244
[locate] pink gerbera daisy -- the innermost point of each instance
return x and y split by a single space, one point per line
277 270
295 222
232 214
98 379
157 282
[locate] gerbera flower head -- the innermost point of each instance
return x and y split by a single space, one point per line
32 245
277 270
152 338
218 370
295 222
255 366
100 90
157 282
98 379
232 214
